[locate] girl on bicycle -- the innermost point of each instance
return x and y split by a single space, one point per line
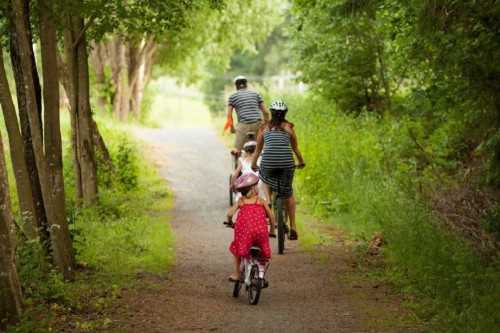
278 140
250 228
245 166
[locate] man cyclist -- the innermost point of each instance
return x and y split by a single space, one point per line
248 105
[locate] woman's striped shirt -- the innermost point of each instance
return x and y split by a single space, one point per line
277 155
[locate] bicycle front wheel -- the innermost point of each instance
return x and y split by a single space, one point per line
255 286
278 213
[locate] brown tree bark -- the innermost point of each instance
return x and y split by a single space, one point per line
97 56
84 160
100 145
24 193
61 241
383 77
62 249
140 74
117 53
10 289
23 105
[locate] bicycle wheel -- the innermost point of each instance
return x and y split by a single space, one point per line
286 230
280 224
238 284
231 193
255 286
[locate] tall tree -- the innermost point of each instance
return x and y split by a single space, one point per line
24 192
10 289
45 134
24 104
76 82
61 246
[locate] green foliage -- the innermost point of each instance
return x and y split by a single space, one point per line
124 233
126 163
433 61
459 289
366 173
338 56
115 234
214 36
269 59
40 281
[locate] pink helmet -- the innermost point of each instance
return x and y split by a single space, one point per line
247 179
249 143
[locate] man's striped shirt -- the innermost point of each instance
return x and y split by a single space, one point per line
246 103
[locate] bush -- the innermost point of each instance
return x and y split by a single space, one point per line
372 175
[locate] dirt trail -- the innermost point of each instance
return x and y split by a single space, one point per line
305 294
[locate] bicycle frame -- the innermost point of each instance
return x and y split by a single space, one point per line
252 276
280 213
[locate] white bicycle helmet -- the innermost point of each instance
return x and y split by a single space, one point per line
278 106
240 78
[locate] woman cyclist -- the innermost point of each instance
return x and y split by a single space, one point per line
278 143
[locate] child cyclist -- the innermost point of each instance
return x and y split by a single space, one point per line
250 228
245 166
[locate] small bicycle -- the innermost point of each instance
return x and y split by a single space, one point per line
252 274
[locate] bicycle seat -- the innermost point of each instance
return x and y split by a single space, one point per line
251 136
254 251
276 173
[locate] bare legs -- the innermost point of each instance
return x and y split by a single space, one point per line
290 209
236 268
267 193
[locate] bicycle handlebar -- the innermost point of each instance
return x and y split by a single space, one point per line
231 225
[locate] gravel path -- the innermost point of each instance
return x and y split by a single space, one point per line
305 294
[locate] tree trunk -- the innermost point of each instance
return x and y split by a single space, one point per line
24 193
61 241
10 289
97 56
101 147
143 66
23 105
84 161
62 248
117 53
131 69
385 80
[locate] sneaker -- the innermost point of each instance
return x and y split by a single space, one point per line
293 235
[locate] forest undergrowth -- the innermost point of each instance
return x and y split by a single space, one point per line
435 224
125 234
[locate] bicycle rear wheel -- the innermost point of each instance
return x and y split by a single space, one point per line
255 286
238 284
278 213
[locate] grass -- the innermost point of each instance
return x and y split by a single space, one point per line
125 233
